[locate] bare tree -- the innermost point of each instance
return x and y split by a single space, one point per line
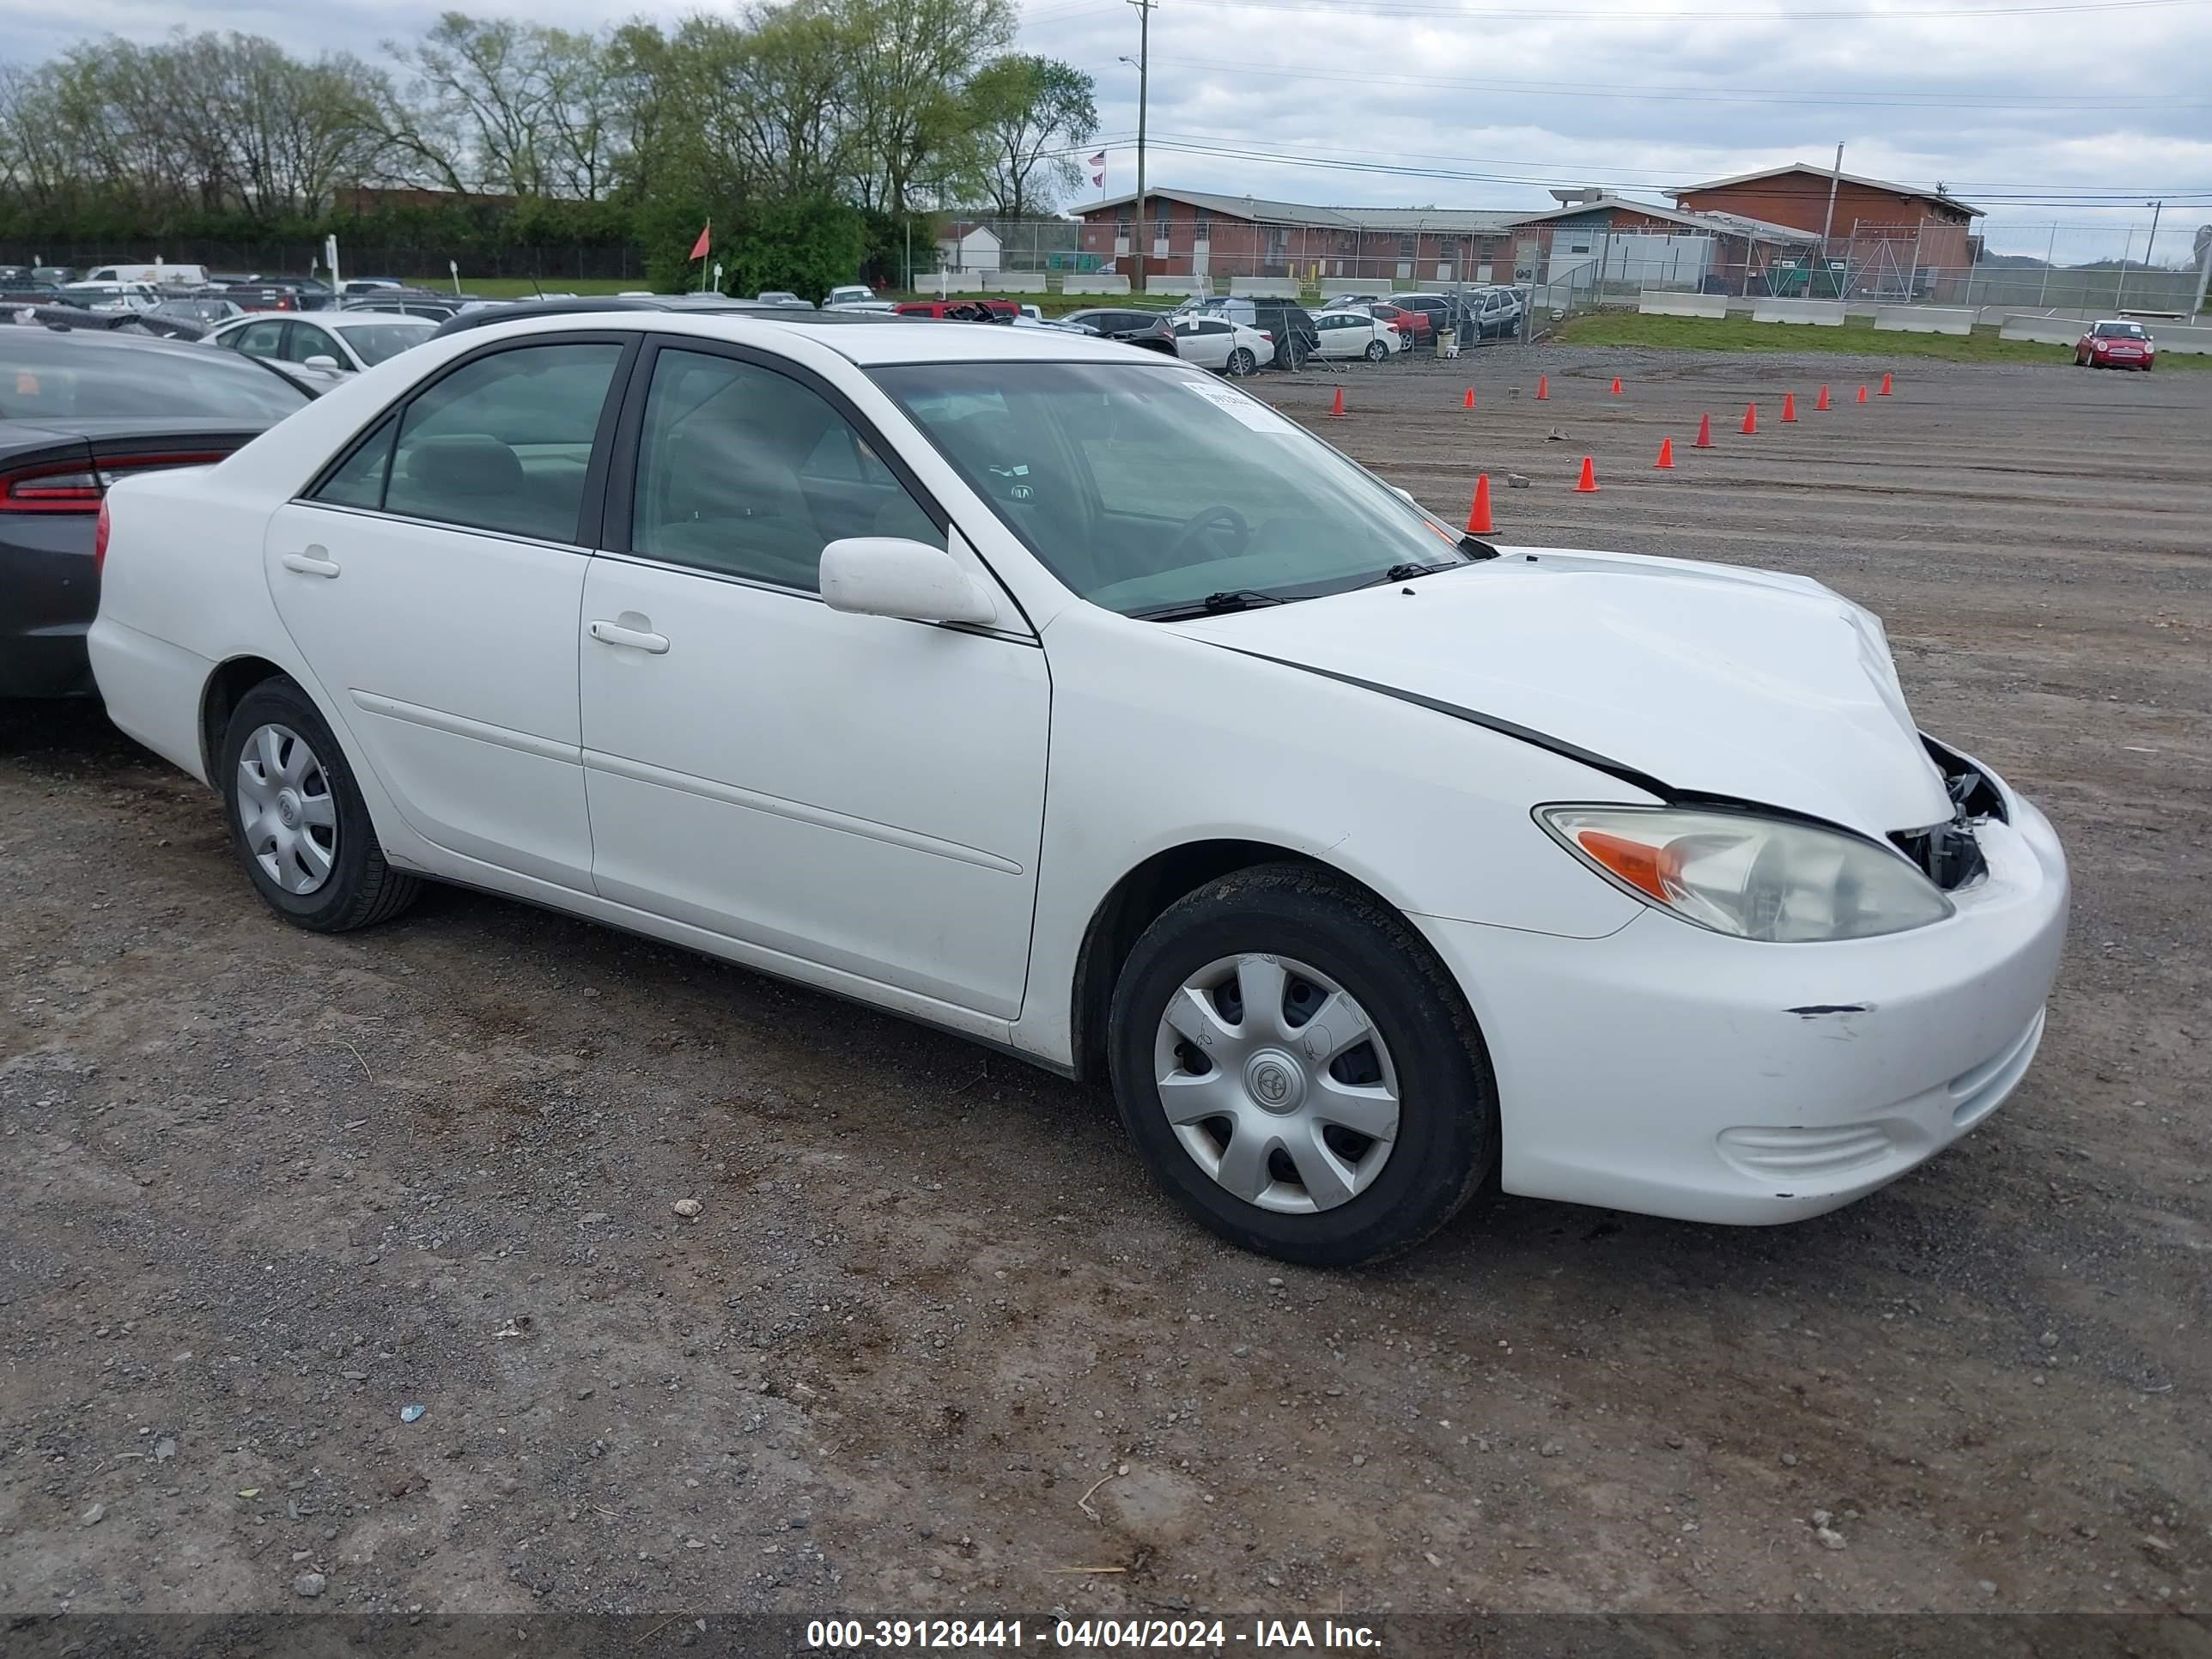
1030 113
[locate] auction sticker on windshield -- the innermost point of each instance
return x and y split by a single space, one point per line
1248 410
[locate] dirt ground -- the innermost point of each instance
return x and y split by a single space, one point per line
934 1343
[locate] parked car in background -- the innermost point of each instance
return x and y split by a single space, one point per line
1412 327
781 296
1218 343
152 275
345 340
966 309
855 296
1442 310
1356 334
1343 302
1150 329
110 297
2116 343
1077 704
204 310
269 296
1291 326
55 276
79 409
1496 312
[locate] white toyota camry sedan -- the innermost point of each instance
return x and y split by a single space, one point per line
1068 698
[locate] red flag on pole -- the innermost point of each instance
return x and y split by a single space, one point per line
699 249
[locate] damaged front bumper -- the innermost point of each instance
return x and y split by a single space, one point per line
1674 1071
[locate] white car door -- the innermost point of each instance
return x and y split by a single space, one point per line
1333 332
1204 342
861 793
432 579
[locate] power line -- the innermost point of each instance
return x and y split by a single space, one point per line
1402 9
1615 92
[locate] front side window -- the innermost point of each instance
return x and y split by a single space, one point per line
745 472
306 342
257 340
504 443
1144 488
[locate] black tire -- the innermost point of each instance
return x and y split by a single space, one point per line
1446 1137
1241 363
361 889
1376 351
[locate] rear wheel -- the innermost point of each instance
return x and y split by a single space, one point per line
1376 351
1242 363
297 820
1300 1071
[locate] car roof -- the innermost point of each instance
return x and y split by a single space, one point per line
864 338
342 320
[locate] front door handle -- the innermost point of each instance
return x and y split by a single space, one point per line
637 639
311 563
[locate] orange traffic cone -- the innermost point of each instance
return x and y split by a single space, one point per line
1469 404
1788 406
1823 403
1478 516
1704 433
1616 386
1884 392
1543 387
1666 455
1587 485
1751 417
1336 409
1862 394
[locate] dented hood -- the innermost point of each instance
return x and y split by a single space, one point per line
1767 687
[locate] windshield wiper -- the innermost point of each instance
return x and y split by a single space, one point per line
1406 572
1213 604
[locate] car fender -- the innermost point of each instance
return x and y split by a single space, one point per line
1184 741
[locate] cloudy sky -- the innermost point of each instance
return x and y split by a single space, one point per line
2042 112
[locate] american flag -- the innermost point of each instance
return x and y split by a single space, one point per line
1097 165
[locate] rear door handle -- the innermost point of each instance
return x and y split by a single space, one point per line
311 563
637 639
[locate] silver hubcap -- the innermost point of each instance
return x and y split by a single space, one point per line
285 811
1276 1082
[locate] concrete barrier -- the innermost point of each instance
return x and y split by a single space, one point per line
1097 285
1924 319
1265 288
1336 285
2196 340
2042 330
1014 282
1683 304
1824 313
1178 288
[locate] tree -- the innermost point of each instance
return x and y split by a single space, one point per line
911 64
1029 113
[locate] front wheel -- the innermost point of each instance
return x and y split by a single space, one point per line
1298 1070
1242 363
297 820
1376 351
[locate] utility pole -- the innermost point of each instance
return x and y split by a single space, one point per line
1827 221
2156 208
1142 242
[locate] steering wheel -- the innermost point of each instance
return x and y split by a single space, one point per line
1204 519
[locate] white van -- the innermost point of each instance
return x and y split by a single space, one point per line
177 276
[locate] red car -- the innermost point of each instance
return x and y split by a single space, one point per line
965 310
1413 326
2115 345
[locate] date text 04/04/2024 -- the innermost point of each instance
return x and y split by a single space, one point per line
1107 1635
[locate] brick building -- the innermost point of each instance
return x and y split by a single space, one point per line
1593 236
1900 240
1185 232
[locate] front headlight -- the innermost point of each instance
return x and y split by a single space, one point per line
1753 878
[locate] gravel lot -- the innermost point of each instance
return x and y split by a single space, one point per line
934 1341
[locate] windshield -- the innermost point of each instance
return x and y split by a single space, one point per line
2119 330
1145 487
375 342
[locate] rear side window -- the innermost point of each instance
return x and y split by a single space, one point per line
360 481
504 443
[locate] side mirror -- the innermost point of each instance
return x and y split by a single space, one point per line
320 360
891 576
